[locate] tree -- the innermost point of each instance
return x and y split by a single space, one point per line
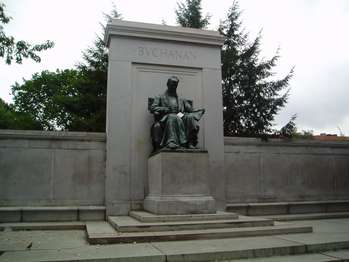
71 99
10 49
189 14
49 96
10 119
251 95
90 112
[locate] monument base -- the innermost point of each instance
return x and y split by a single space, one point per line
178 183
180 205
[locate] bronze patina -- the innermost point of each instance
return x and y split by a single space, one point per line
176 122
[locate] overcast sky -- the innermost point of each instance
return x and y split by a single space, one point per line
312 34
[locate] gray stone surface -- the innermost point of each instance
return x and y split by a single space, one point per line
129 224
284 170
179 183
328 234
76 225
35 215
35 240
51 168
257 209
341 254
72 246
51 213
91 214
141 58
215 250
311 216
294 258
126 252
311 209
9 214
147 217
99 227
195 234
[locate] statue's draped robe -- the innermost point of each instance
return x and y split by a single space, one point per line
175 129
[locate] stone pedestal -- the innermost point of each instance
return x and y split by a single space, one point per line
179 183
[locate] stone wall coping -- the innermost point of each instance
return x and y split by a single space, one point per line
289 203
276 142
50 208
52 135
119 27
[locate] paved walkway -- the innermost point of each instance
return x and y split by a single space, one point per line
71 245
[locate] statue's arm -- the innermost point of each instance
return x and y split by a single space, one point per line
188 108
156 107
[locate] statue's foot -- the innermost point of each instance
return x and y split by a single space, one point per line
190 146
172 145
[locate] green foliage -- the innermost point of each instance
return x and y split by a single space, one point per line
46 96
10 49
251 97
290 131
71 99
189 14
10 119
65 100
290 128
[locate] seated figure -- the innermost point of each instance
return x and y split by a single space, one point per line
176 123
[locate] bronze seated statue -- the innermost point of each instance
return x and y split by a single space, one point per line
176 123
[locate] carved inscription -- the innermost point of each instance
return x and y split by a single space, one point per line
165 53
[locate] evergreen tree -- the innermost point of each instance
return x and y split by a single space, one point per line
189 14
10 49
90 111
251 96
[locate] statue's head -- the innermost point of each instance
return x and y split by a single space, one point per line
172 84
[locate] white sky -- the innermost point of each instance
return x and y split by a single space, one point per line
313 36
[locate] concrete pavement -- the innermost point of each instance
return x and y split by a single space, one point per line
71 245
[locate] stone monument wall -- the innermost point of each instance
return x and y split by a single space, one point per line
40 168
68 168
277 170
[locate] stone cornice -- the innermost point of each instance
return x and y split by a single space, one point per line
119 27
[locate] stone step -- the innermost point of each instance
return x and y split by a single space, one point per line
51 213
109 235
311 216
76 225
148 217
283 208
227 250
330 256
129 224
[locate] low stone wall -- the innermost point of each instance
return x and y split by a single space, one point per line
40 168
285 170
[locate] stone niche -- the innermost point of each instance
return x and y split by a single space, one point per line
141 59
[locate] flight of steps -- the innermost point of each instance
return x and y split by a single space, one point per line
141 226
